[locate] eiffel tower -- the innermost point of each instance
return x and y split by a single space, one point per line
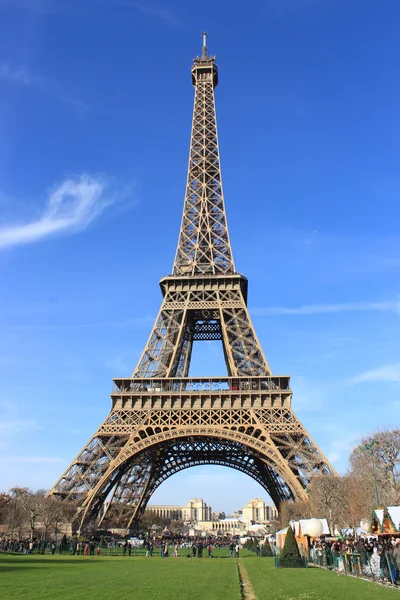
161 420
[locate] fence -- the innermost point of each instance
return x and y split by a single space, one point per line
378 567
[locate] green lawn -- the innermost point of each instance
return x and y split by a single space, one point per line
313 583
36 577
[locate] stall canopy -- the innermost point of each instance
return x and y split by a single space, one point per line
386 520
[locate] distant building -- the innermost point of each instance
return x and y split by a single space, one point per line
229 525
259 511
195 510
216 516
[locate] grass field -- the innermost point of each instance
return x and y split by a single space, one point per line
137 578
313 583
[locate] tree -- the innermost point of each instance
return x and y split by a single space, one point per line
17 515
356 498
379 455
290 555
149 519
265 548
328 500
32 504
5 512
293 511
51 513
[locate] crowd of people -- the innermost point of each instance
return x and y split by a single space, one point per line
165 546
28 546
197 547
378 557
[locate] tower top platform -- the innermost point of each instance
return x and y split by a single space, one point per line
204 64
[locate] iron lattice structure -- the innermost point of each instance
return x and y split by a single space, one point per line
163 421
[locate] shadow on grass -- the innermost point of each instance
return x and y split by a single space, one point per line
38 560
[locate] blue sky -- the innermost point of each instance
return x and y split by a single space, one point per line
95 115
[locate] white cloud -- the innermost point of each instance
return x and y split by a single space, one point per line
70 208
13 423
10 426
152 10
319 309
137 323
44 460
40 7
285 7
23 76
385 374
333 456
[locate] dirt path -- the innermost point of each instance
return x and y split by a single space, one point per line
246 588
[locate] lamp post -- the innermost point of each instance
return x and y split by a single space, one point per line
373 444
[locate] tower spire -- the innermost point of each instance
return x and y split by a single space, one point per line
204 245
204 49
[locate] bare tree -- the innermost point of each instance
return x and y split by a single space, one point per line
50 512
5 512
149 518
17 513
293 511
32 504
378 457
328 500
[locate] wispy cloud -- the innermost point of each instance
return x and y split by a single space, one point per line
135 323
318 309
23 76
13 422
283 7
10 426
37 7
159 12
386 374
37 460
69 208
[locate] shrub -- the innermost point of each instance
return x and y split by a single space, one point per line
266 549
290 555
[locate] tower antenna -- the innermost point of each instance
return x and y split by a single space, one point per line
204 49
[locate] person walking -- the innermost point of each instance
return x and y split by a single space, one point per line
237 549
